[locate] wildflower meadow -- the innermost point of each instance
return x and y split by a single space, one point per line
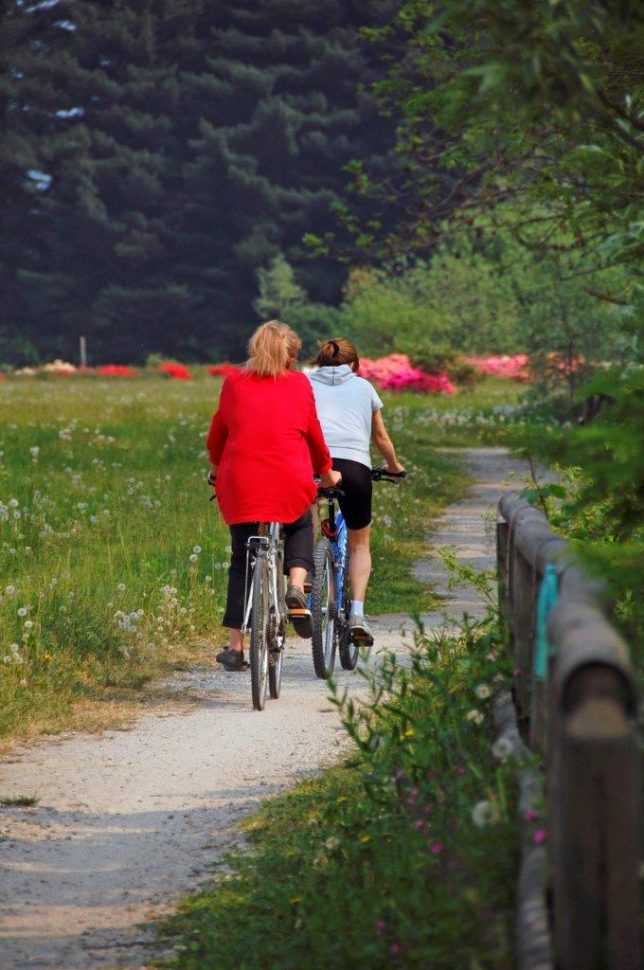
111 554
112 560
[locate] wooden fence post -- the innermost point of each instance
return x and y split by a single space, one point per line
583 717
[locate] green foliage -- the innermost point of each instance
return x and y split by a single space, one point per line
458 300
155 156
278 290
406 858
602 507
539 105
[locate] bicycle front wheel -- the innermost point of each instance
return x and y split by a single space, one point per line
323 609
259 626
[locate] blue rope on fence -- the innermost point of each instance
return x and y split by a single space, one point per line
547 599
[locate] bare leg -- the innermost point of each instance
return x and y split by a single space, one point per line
297 576
235 639
359 561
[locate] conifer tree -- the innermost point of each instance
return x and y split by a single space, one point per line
158 153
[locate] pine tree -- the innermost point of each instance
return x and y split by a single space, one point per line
176 147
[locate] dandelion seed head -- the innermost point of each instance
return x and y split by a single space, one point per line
502 748
474 716
483 813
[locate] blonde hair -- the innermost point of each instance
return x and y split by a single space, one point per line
272 348
337 351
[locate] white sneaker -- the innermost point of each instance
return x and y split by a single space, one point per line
359 629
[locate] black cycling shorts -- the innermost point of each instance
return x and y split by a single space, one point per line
357 487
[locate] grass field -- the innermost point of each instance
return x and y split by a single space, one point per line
113 561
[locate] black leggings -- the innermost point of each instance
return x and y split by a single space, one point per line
298 551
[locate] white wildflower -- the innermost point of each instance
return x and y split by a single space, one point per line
483 813
483 691
474 716
502 748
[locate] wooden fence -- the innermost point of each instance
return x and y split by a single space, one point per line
576 702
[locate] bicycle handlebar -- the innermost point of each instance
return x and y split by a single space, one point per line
330 492
383 475
377 475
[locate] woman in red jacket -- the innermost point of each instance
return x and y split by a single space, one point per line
265 445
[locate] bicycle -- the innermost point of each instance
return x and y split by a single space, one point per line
265 611
330 597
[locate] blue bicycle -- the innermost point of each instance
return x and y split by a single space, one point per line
330 597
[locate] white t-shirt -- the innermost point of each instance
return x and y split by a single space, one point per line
345 405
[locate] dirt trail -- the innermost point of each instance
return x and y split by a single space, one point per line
128 821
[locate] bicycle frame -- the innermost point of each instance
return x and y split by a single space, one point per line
268 542
334 529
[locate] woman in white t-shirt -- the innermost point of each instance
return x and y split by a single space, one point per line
350 413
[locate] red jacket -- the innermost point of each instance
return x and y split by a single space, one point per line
267 442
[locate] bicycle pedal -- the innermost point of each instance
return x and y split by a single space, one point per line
299 611
362 641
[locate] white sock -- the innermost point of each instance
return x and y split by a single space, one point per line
357 607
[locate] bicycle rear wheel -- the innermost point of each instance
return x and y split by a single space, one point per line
323 609
259 629
276 644
348 651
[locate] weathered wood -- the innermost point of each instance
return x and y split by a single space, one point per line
594 811
524 632
584 637
591 748
502 542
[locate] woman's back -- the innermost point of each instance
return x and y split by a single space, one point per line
345 405
271 436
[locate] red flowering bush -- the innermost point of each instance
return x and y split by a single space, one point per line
397 373
116 370
178 372
221 369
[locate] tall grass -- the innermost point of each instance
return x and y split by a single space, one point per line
110 552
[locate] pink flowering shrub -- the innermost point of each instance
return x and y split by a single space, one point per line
397 373
178 372
515 367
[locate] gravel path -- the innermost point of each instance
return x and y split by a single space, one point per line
128 821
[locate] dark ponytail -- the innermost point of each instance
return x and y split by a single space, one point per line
337 351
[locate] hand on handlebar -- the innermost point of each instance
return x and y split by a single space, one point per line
385 474
330 479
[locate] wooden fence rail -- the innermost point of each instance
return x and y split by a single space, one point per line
577 703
